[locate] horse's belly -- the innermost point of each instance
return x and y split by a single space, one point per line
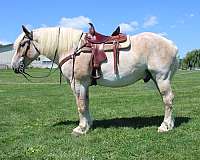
113 80
129 72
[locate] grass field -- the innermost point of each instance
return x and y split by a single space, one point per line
36 120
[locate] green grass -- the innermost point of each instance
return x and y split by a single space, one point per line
36 120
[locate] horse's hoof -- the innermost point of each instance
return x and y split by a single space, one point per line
165 127
78 131
161 130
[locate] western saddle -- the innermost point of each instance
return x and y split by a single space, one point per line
96 42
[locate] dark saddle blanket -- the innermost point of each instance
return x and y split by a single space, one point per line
99 43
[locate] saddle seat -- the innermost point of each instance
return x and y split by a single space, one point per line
98 38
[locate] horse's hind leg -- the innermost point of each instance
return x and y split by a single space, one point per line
81 91
167 96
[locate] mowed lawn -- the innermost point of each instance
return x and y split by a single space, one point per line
36 120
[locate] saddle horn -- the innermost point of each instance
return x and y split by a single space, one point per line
91 29
27 32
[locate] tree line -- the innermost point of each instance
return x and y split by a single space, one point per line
191 60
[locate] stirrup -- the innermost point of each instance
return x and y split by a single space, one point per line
97 74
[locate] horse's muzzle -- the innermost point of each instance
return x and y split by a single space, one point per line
16 70
20 69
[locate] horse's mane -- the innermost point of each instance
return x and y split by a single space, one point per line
48 39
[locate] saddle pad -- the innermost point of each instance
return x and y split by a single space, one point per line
108 47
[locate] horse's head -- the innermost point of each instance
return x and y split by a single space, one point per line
25 52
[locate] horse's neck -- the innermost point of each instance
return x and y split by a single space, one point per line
61 49
58 56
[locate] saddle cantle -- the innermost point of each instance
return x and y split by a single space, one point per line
97 42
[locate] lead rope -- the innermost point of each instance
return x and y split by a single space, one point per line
25 74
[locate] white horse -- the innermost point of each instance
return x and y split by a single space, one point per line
149 55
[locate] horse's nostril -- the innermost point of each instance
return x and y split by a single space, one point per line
21 70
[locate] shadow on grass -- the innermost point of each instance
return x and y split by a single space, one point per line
134 122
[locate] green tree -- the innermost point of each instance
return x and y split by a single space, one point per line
192 59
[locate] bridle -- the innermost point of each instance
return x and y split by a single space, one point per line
29 41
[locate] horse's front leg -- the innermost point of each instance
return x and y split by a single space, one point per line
81 91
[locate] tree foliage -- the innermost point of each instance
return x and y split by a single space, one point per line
192 59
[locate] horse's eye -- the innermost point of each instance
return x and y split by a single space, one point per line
22 44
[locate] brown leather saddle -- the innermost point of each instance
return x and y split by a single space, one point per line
96 42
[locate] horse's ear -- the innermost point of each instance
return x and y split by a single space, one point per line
27 32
